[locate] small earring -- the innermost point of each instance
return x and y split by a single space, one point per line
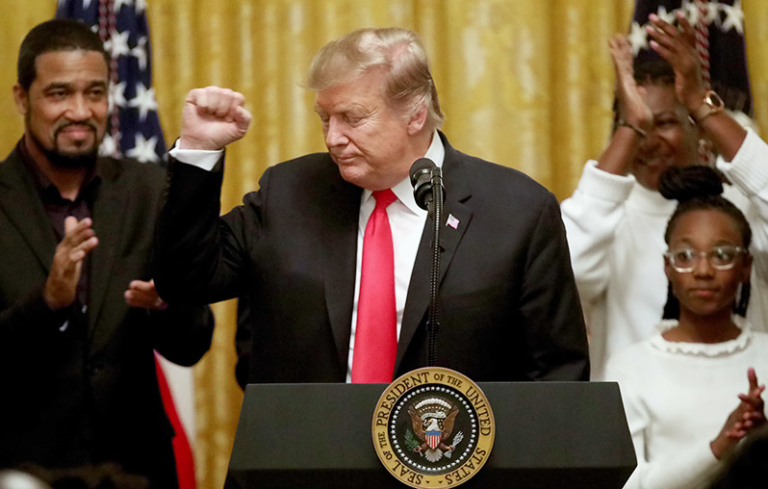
706 156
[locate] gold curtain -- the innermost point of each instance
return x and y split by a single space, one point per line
524 83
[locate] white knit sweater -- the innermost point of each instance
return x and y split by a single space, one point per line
615 231
677 397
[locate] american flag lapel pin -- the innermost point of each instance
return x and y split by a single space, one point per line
452 221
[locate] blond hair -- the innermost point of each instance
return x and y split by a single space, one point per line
408 83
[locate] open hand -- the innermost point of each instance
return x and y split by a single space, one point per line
61 286
753 403
212 118
630 96
144 295
678 48
749 414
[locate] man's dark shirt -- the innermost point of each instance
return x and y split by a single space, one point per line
59 208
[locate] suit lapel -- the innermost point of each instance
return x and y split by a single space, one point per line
108 215
340 252
457 196
20 201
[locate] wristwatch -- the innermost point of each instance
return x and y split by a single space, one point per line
711 105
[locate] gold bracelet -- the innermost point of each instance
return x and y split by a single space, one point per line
638 130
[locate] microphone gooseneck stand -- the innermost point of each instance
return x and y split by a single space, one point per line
436 211
429 193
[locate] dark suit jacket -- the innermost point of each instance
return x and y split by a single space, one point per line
510 310
87 393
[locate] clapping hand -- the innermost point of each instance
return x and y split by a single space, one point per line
677 47
749 414
61 286
630 96
144 295
753 404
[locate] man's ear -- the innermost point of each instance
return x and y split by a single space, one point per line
21 98
417 121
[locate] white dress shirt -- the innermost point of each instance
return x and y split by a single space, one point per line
406 219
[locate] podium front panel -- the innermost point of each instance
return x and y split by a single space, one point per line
548 435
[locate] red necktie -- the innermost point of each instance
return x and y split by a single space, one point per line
376 332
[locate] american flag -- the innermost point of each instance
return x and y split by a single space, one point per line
134 132
720 39
452 221
134 127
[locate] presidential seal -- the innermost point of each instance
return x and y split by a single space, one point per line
433 428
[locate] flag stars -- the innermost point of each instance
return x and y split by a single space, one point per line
144 101
144 149
117 44
638 39
692 12
86 3
108 146
119 4
734 17
668 17
712 15
117 95
140 53
133 107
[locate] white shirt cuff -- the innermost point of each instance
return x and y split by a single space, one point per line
200 158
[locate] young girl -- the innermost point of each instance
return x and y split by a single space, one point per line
681 386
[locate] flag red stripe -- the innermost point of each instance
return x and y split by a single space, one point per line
185 463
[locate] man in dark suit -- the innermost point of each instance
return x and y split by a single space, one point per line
79 314
297 248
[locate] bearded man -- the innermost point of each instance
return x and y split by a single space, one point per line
79 314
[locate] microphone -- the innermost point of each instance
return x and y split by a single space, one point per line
429 192
424 176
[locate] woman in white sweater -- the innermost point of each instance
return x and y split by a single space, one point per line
615 219
683 388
